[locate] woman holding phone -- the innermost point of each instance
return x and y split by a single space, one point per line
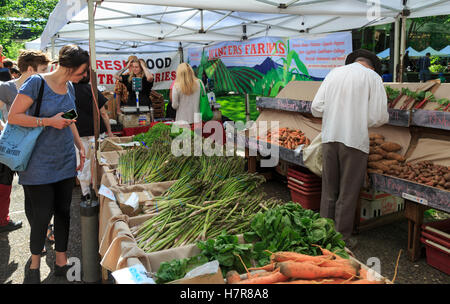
50 175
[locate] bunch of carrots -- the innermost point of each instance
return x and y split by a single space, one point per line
295 268
288 138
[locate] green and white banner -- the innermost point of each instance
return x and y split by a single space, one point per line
264 66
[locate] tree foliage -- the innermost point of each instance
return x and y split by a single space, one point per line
14 12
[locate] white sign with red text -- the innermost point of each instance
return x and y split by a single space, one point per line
163 66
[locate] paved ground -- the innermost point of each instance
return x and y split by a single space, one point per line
383 243
14 246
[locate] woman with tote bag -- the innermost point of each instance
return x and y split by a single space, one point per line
49 177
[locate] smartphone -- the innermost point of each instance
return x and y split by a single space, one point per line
72 114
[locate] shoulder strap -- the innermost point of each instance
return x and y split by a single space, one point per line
39 99
202 88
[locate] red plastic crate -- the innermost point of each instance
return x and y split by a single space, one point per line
304 177
307 189
436 239
297 181
440 229
307 200
437 257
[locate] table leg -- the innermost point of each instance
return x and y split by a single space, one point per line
414 214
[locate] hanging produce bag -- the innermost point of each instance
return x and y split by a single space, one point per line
312 155
205 108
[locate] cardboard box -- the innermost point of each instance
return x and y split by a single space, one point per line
215 278
132 120
376 203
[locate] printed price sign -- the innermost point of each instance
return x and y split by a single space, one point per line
133 201
414 198
135 274
106 192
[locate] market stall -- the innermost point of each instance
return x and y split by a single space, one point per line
217 203
421 135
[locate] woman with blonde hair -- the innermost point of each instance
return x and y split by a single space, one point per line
137 68
186 94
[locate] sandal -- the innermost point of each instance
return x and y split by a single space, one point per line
50 235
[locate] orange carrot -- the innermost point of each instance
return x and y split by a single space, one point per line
233 277
363 273
339 263
283 256
329 253
365 281
268 267
273 277
299 282
307 270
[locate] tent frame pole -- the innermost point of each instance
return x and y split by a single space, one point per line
93 78
396 48
402 47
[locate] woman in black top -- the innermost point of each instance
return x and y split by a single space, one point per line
85 127
137 68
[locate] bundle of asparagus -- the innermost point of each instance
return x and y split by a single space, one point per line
188 220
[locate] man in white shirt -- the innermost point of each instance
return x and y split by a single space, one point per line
350 100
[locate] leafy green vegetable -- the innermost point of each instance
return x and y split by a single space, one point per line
225 249
290 227
159 131
177 268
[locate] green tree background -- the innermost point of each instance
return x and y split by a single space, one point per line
13 13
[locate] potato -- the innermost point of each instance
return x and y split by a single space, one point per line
396 156
375 157
378 165
391 147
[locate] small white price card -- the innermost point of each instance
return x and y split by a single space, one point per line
414 198
133 201
106 192
135 274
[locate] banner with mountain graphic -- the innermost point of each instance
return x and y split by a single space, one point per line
264 66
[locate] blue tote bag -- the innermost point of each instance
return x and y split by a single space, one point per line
17 142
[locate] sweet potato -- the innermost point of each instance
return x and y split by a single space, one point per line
391 147
447 177
379 141
389 162
378 171
380 151
378 165
396 156
375 157
376 136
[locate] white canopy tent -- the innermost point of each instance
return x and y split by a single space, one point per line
141 23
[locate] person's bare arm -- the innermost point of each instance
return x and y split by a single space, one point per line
105 118
79 145
17 115
118 75
147 73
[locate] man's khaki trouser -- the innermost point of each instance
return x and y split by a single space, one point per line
343 175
